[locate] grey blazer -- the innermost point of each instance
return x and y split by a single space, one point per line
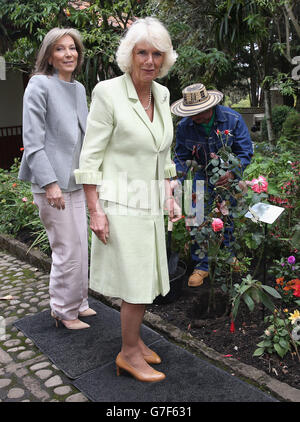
53 110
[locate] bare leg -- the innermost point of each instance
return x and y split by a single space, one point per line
133 348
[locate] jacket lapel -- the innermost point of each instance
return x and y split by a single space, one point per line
162 107
137 106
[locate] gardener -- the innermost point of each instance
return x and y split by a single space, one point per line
198 136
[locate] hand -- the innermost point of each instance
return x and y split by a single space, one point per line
190 222
226 179
55 196
99 225
174 210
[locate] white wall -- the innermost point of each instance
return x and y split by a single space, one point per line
11 99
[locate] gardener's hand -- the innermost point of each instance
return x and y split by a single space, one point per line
226 179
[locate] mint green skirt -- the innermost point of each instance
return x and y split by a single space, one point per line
133 264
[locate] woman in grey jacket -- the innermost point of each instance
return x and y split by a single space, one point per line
54 120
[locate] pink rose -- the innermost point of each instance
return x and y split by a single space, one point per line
259 185
217 224
24 199
223 208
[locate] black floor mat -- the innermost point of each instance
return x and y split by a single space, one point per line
188 379
88 358
77 351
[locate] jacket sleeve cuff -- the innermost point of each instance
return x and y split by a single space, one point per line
83 177
170 171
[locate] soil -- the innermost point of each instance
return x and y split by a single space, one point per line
189 313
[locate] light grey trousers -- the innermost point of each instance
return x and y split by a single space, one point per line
68 238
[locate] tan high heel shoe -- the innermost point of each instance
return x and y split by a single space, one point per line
70 325
87 312
155 376
153 358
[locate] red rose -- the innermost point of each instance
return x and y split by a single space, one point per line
217 224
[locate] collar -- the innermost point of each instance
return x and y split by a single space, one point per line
158 94
219 116
56 76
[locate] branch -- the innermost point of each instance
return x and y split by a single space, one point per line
291 15
287 37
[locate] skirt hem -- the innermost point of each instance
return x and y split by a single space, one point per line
129 300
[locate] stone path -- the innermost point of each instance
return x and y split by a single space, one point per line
26 375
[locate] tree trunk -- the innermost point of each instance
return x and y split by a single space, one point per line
253 78
268 114
291 15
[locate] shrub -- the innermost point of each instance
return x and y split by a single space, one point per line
19 215
291 126
279 114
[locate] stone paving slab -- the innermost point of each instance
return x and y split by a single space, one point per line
26 375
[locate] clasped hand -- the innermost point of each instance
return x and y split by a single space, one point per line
55 196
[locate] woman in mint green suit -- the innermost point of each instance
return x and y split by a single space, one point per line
125 167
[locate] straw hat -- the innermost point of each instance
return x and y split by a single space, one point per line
195 100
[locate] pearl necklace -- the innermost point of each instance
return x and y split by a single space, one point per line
149 103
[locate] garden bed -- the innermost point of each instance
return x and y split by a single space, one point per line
188 314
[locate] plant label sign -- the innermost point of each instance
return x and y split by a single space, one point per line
264 213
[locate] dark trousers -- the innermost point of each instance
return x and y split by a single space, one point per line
202 263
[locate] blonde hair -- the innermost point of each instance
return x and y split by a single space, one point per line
42 65
153 32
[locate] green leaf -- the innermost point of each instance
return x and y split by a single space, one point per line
266 301
284 344
255 295
265 343
249 302
244 288
271 291
214 179
235 308
258 352
281 352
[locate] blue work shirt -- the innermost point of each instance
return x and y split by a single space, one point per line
191 137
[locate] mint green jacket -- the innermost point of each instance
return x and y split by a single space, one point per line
121 151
